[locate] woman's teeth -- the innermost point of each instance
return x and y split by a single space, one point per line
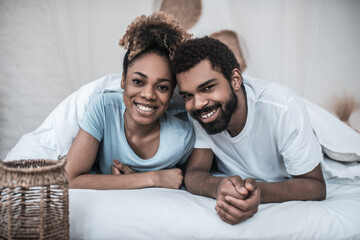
207 115
144 108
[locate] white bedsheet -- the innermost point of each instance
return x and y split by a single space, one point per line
156 213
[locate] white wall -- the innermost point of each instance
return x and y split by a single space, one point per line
49 48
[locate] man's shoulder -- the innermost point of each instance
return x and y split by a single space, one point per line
272 93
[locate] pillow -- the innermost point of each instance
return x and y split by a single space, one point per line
339 141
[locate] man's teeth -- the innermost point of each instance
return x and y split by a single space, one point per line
207 115
144 108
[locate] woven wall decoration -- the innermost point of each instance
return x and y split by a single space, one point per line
231 40
186 12
34 200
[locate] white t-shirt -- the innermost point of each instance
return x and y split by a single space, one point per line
276 142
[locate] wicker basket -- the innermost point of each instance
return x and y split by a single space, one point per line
34 202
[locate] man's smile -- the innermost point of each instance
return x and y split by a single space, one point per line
209 116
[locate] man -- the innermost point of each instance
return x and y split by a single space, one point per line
258 132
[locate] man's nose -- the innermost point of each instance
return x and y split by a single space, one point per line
200 101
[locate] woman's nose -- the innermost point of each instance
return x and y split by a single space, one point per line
148 93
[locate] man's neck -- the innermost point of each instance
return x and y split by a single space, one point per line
238 119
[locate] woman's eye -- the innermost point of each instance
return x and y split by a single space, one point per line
137 81
163 88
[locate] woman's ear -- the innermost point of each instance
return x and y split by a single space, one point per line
122 84
236 79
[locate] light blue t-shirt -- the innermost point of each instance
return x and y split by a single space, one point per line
104 120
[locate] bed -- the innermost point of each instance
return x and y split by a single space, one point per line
155 213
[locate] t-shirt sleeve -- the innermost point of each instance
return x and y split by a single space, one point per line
93 120
200 134
189 142
298 146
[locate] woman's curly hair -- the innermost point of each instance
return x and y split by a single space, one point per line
159 31
194 51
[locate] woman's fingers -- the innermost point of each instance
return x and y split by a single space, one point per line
122 167
115 170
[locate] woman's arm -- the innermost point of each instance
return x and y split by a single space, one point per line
81 158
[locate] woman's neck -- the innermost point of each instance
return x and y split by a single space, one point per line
144 140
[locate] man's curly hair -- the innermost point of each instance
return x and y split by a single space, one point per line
192 52
158 33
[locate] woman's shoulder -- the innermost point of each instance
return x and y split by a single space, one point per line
111 97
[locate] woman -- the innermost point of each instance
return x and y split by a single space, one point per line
131 132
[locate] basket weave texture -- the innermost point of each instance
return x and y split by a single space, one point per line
34 201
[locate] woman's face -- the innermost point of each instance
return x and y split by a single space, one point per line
148 88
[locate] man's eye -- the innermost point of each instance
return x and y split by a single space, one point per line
207 88
186 96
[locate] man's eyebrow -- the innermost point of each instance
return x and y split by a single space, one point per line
206 83
201 85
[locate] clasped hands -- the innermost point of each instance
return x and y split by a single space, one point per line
237 199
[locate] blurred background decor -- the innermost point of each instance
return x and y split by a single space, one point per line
49 49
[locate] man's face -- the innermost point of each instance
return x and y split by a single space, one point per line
208 96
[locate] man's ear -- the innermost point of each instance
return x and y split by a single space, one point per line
236 79
122 84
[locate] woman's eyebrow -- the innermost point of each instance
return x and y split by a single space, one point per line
141 74
163 80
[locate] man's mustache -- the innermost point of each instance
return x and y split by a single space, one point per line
197 113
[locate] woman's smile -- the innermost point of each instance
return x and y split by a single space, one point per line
145 108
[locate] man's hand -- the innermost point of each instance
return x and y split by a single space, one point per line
119 168
231 186
234 210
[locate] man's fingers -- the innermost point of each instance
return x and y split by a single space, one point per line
246 205
250 184
239 185
230 214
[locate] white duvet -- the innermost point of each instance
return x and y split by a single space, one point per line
176 214
156 213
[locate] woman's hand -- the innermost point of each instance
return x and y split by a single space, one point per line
119 168
166 178
169 178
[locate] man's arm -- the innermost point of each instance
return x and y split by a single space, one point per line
309 186
197 177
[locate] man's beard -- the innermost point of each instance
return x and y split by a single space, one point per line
222 121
